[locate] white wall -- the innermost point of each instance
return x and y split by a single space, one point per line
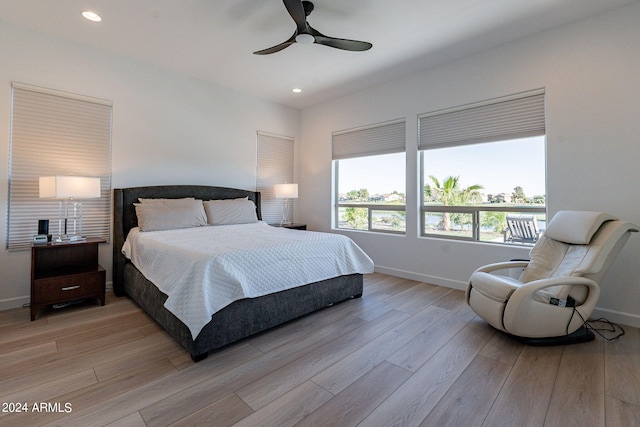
167 128
590 71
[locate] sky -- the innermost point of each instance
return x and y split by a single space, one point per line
497 166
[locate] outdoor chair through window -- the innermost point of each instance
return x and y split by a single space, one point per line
521 229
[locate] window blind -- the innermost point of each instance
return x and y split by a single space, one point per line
275 166
517 116
384 138
56 133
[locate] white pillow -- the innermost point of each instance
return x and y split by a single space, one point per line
230 211
168 216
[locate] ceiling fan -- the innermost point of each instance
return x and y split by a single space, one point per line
305 34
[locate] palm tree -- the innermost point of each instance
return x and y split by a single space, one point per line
449 193
518 195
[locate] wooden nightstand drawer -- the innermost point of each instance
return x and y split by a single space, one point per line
66 272
58 289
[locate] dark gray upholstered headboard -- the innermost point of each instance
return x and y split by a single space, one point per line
124 213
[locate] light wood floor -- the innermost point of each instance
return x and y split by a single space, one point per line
405 354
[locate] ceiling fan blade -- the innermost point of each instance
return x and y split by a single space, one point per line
274 49
296 10
278 47
344 44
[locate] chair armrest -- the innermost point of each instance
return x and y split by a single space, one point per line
537 285
522 303
494 267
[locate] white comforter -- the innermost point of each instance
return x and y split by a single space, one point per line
204 269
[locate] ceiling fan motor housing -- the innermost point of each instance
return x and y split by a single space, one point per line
306 34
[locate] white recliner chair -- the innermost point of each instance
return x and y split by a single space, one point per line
559 286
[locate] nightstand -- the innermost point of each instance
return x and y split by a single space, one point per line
293 226
63 272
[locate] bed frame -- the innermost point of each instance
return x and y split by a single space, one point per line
236 321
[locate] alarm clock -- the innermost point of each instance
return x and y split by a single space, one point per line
40 239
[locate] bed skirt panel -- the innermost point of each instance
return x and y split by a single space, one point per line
241 318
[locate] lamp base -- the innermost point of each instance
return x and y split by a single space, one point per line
69 238
285 213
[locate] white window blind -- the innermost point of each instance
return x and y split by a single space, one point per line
56 133
384 138
275 166
517 116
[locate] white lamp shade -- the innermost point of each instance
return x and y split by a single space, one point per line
69 187
286 191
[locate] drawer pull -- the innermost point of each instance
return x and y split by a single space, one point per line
70 288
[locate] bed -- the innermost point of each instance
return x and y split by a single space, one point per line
240 318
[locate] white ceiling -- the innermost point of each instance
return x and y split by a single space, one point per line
213 40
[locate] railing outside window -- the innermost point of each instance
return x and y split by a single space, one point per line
475 223
372 217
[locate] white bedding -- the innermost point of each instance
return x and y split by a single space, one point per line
204 269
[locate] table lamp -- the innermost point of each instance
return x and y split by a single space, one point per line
286 192
68 189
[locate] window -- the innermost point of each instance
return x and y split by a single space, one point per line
369 167
481 163
275 166
56 133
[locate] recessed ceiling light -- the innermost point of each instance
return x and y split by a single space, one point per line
296 90
91 16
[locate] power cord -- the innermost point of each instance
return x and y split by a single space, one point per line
608 327
612 328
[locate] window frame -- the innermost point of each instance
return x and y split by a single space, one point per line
490 119
377 139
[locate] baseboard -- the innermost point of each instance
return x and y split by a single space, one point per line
434 280
623 318
9 303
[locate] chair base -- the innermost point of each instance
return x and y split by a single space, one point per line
582 334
